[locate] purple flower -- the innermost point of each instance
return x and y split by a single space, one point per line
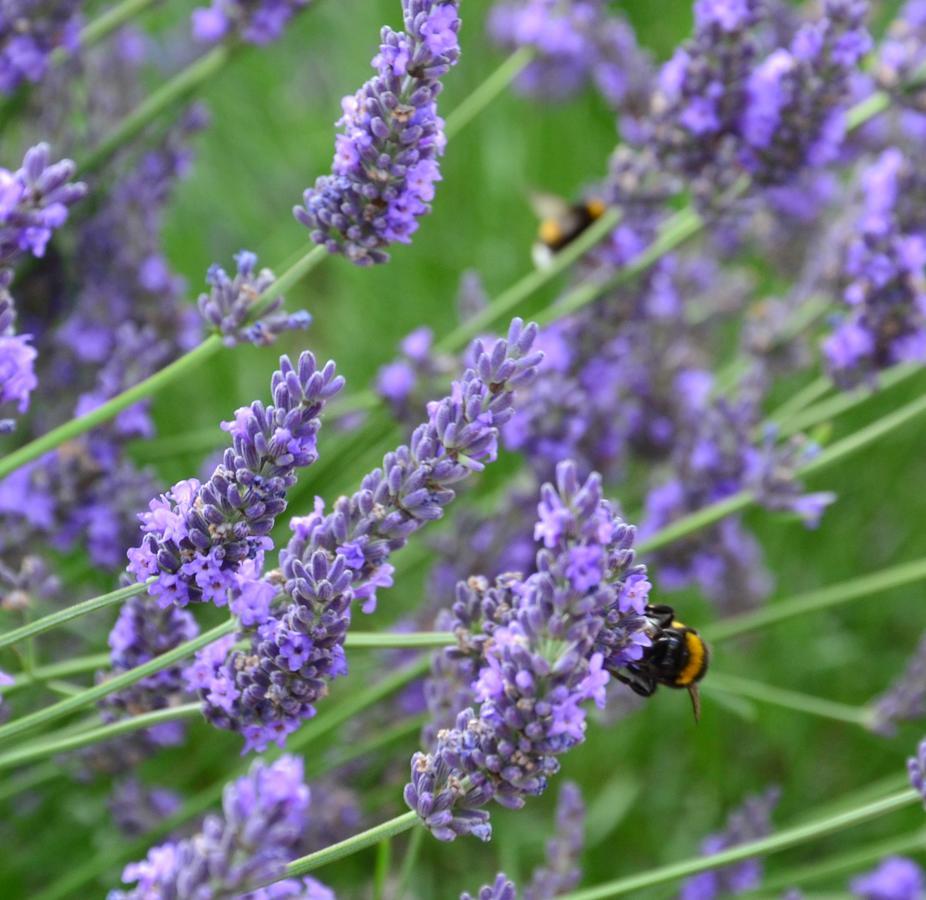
17 358
263 818
748 822
30 31
574 44
254 21
197 536
548 642
561 872
902 54
34 202
905 699
894 878
916 766
338 560
137 809
500 889
385 162
229 304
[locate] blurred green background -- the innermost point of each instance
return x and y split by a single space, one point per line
655 783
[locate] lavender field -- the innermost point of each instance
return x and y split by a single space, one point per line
462 449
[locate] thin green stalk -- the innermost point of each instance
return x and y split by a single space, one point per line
775 843
408 862
77 665
46 623
168 94
290 278
865 436
797 403
817 600
63 688
846 400
480 98
765 693
533 281
846 863
116 683
42 749
397 639
352 845
9 787
106 23
381 869
700 519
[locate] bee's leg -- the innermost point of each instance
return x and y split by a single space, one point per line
644 685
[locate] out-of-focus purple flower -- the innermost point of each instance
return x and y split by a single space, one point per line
561 872
905 699
30 31
34 202
17 357
339 560
5 681
553 644
229 305
916 766
748 822
263 817
197 536
885 290
253 21
894 878
573 44
386 158
137 809
902 54
728 101
501 889
714 457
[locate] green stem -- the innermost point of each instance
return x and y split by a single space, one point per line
775 843
798 402
106 23
398 639
116 683
820 599
171 92
408 862
290 278
846 400
9 787
381 869
46 623
483 95
700 519
78 665
854 861
352 845
865 436
42 749
765 693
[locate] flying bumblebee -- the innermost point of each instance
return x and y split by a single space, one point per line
678 657
561 223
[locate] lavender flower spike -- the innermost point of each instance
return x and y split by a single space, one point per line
553 644
17 359
254 21
385 162
260 829
34 201
916 766
905 699
30 31
196 537
500 889
229 304
561 873
337 560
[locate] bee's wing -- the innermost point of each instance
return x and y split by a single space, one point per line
548 206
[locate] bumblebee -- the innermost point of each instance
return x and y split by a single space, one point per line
561 223
678 657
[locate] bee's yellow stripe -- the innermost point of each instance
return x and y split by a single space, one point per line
550 231
697 660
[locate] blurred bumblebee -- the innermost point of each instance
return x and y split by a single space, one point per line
677 658
561 223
